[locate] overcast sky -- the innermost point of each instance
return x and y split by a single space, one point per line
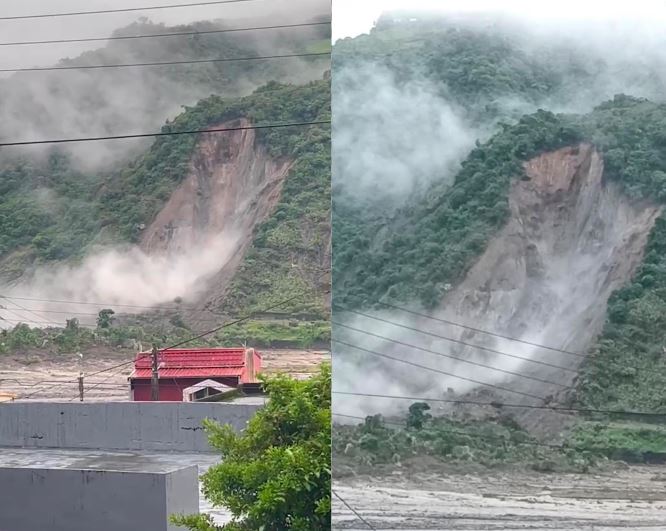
354 17
101 25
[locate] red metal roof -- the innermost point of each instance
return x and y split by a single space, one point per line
208 372
195 363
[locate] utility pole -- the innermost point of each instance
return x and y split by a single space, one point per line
155 382
80 376
81 386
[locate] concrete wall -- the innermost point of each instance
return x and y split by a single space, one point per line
159 426
83 500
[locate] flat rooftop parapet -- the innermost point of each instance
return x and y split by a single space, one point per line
113 493
133 426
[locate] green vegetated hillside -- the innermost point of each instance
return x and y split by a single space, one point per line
437 235
52 211
494 77
300 225
492 73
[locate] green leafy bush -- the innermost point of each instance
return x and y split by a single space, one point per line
275 476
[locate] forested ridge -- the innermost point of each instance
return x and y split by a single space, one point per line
55 210
412 255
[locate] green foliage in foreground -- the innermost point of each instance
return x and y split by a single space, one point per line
491 443
494 443
276 475
636 443
276 334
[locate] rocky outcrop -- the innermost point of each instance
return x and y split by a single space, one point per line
571 240
232 186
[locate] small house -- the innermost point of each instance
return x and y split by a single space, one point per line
181 371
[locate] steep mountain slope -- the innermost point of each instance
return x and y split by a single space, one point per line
533 238
548 232
214 199
222 223
222 187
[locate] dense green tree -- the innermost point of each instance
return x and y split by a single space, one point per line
275 475
105 318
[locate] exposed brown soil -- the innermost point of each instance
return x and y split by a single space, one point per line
570 241
232 186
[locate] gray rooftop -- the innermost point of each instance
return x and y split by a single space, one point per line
103 460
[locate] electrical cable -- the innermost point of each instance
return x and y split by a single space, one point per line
20 307
52 324
162 63
100 304
479 347
123 10
237 321
480 330
500 405
156 35
370 526
462 360
436 370
161 134
231 323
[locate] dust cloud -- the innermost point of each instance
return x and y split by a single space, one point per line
373 152
116 279
105 102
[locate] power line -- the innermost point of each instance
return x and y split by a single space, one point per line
462 360
480 330
123 10
237 321
249 316
499 405
65 312
92 314
479 347
27 310
21 318
368 524
436 370
95 314
38 391
65 382
162 63
155 35
95 386
100 304
119 365
171 133
30 321
123 364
